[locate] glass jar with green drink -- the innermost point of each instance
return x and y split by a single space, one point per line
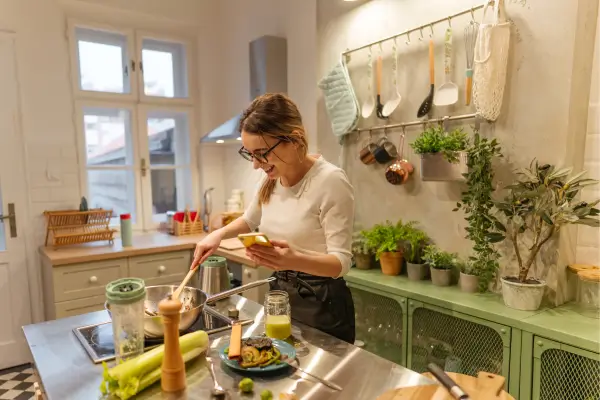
278 315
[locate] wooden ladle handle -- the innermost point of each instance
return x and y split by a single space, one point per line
177 292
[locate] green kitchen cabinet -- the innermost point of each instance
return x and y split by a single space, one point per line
380 322
563 372
456 342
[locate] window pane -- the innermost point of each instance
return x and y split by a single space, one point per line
3 227
165 69
103 61
171 191
112 190
168 138
108 136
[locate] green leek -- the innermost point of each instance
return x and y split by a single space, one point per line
131 377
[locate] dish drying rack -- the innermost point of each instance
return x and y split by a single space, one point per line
69 227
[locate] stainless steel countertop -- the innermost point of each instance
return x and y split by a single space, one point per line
67 373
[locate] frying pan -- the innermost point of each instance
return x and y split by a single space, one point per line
195 298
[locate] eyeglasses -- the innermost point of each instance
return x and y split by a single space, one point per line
261 157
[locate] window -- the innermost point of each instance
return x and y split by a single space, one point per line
135 121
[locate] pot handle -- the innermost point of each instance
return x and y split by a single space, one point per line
239 289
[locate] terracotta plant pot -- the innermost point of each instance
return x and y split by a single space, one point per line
417 272
391 263
468 283
440 277
363 261
522 296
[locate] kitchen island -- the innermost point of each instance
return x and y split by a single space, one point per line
67 373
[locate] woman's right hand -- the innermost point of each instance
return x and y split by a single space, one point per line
205 248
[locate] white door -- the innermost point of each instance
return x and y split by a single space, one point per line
15 307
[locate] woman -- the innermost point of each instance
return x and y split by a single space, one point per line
305 205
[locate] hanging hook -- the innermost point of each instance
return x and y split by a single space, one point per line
431 28
380 48
421 31
408 38
472 14
385 131
370 135
403 130
449 22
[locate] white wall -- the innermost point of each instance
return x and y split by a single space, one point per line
588 240
543 101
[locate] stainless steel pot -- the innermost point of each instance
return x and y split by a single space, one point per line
196 298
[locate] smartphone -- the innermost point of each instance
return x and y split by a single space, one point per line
249 239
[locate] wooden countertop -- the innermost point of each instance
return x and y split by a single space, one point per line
150 243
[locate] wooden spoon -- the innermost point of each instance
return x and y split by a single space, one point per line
177 292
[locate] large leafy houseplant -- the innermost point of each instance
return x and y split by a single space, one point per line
386 241
477 203
542 201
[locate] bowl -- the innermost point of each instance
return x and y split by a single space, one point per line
153 325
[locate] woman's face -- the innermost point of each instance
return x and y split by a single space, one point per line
279 159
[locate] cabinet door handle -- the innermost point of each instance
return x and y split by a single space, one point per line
162 269
93 279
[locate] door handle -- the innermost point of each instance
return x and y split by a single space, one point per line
143 167
12 219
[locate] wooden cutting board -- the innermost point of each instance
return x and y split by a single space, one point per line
231 244
485 387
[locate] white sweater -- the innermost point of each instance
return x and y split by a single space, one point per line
314 216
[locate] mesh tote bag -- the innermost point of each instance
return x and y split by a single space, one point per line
491 61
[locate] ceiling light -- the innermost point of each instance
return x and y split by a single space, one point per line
220 141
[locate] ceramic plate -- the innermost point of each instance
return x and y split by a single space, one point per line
284 348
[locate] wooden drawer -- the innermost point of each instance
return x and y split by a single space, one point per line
161 269
79 306
87 279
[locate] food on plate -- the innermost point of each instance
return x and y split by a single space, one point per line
131 377
256 352
235 343
246 385
266 395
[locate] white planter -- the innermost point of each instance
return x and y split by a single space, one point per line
523 296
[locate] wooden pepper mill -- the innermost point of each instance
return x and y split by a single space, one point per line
173 368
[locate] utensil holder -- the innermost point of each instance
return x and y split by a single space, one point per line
434 167
188 227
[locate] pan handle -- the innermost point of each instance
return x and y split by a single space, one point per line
239 289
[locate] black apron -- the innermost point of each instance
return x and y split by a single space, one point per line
319 302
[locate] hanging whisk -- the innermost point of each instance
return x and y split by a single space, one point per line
470 38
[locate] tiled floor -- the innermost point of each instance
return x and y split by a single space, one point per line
17 383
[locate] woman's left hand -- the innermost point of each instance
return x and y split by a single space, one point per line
280 257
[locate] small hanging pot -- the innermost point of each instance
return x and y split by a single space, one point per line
366 153
400 170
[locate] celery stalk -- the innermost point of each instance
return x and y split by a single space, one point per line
129 378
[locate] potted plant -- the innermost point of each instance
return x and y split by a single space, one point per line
415 241
539 204
441 264
386 241
469 279
443 155
363 256
477 203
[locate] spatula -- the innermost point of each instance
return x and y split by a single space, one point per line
447 94
427 103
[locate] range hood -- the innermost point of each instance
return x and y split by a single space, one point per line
268 74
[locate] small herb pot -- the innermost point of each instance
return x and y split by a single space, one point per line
468 283
441 277
363 261
391 263
417 272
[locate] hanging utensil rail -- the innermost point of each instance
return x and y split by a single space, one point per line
418 28
418 122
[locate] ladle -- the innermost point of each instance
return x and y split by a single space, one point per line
369 104
394 102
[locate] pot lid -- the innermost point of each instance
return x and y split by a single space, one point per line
581 267
126 291
592 275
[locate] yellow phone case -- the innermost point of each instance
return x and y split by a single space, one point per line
249 239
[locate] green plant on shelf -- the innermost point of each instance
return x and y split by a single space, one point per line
439 259
539 204
359 244
477 203
435 140
415 241
386 237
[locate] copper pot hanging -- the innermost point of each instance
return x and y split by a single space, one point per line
400 170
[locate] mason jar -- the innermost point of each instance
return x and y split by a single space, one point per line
588 296
278 315
126 299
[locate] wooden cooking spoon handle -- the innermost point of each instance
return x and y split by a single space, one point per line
379 67
177 292
431 63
